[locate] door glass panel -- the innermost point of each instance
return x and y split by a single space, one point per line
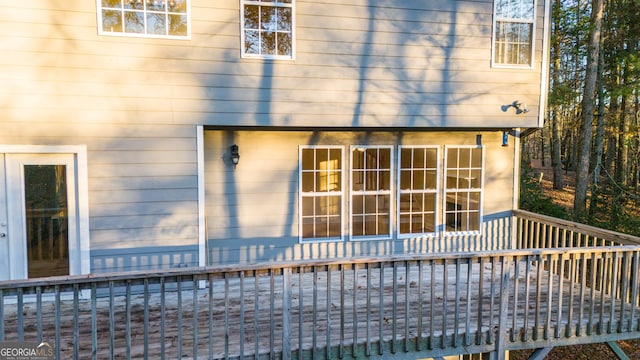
46 220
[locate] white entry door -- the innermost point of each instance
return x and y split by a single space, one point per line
39 216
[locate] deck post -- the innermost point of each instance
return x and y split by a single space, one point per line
501 336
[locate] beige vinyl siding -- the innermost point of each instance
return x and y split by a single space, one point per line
252 210
135 102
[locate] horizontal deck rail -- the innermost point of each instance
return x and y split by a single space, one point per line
431 305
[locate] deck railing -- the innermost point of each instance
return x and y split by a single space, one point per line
427 305
539 231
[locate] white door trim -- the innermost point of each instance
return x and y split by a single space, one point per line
79 153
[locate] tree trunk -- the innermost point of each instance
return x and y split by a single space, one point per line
588 100
599 145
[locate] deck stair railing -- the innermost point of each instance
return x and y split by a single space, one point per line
425 305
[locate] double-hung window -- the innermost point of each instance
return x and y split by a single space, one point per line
146 18
417 190
371 191
321 179
513 32
463 188
268 28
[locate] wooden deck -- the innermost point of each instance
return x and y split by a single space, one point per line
564 284
435 306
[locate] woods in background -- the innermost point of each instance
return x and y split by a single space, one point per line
592 123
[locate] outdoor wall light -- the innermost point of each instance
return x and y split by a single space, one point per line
520 107
505 138
235 155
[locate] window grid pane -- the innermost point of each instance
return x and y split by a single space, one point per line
321 193
463 189
514 32
417 190
153 18
371 192
268 28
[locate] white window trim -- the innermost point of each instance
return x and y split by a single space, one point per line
391 191
436 191
532 21
302 240
81 253
138 35
445 191
243 54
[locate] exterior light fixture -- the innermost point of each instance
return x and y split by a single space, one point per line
505 138
521 108
234 154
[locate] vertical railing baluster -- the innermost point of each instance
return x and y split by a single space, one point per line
241 295
467 341
445 290
38 312
381 311
420 304
479 335
634 290
58 304
572 270
163 313
314 336
226 317
286 314
368 308
456 312
146 318
583 287
603 290
179 314
527 292
272 320
561 260
614 291
406 304
76 322
301 312
20 314
256 315
94 321
128 319
355 309
112 321
592 291
492 300
624 284
210 313
342 315
329 326
516 284
1 315
195 318
536 321
394 309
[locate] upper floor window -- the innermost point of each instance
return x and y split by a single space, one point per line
513 32
268 28
146 18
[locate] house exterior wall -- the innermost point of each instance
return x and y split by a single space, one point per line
136 104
